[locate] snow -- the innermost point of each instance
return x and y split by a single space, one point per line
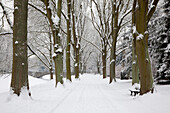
59 34
146 32
59 50
75 65
55 19
134 62
16 42
90 94
139 37
168 47
112 61
134 30
54 55
16 54
56 45
16 8
135 87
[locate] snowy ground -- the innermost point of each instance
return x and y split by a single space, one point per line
90 94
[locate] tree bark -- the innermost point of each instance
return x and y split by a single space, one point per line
146 80
57 41
104 54
76 45
51 58
20 60
68 66
58 59
114 40
135 70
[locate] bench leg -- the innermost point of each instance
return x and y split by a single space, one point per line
134 93
131 93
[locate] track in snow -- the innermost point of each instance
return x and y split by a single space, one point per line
87 96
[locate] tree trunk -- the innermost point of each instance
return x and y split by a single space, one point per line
51 58
76 65
58 47
135 70
98 67
76 45
80 66
58 58
146 80
68 66
104 54
114 40
20 59
112 63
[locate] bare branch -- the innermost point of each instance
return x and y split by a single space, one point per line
5 33
6 15
33 6
38 56
152 9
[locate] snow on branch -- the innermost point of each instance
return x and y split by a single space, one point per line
112 61
139 37
152 9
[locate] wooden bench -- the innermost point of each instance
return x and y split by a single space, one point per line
134 91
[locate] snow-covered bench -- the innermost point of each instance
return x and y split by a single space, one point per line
134 91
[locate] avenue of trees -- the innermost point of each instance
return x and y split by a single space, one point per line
76 30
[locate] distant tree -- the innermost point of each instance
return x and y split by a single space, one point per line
85 55
78 25
5 53
19 79
5 39
100 18
97 61
124 52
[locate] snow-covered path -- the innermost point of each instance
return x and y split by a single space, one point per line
86 96
90 94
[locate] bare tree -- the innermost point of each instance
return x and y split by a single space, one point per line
78 25
142 16
54 17
101 23
120 9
